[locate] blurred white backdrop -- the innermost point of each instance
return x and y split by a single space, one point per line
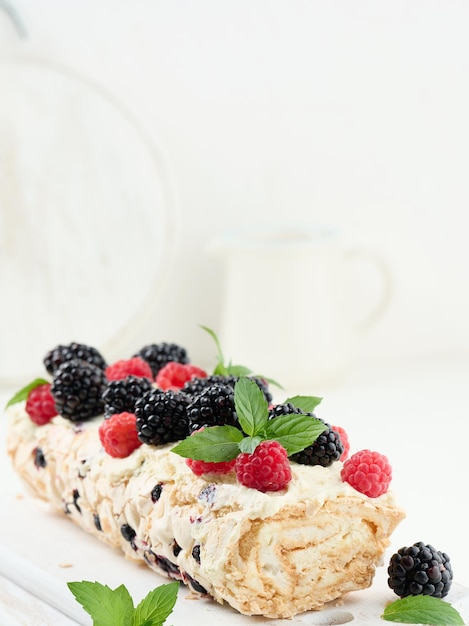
337 112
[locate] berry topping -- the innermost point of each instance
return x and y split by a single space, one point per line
206 467
60 354
118 435
161 417
266 469
77 389
420 570
135 366
368 472
120 396
324 451
197 385
345 441
286 408
215 406
40 405
158 354
174 375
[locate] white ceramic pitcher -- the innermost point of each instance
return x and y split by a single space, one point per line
288 302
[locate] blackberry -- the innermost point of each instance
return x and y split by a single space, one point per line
420 570
157 355
161 417
156 492
128 532
195 386
39 458
161 562
213 407
193 584
196 553
97 522
283 409
324 451
120 396
77 388
60 354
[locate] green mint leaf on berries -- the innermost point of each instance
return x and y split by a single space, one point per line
107 607
154 609
238 370
422 610
23 393
294 432
251 407
220 369
307 404
214 444
249 444
228 369
114 607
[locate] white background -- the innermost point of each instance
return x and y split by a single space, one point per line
350 113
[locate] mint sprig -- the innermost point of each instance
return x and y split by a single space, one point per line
251 407
223 443
23 393
213 444
422 610
115 607
307 404
229 369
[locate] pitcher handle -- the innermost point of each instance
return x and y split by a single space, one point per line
14 16
383 302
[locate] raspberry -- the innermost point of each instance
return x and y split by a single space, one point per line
118 435
77 389
266 469
420 570
60 354
135 366
158 354
40 405
206 467
174 375
368 472
345 441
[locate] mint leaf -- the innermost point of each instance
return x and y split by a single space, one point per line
238 370
307 404
214 444
106 606
271 381
156 606
213 335
295 432
249 444
422 610
23 393
220 370
251 406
